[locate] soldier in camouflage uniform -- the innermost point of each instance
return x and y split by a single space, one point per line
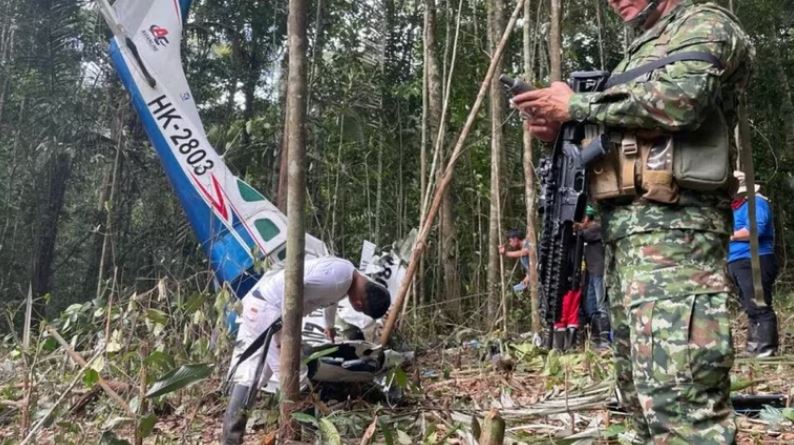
673 350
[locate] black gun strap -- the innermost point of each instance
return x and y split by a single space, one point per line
254 346
260 341
634 73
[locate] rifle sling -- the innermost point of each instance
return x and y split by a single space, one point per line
641 70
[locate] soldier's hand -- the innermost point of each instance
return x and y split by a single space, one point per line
542 129
502 249
550 103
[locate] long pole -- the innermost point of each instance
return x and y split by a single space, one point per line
746 156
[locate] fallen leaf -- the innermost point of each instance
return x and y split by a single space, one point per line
269 439
370 432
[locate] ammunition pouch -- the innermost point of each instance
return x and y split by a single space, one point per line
702 158
655 168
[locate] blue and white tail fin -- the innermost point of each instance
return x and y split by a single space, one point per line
236 226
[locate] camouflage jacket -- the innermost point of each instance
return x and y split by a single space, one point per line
674 99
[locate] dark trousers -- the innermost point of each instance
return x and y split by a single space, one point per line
742 274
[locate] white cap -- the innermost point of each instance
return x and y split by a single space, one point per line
739 175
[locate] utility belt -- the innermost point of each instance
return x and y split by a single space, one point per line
656 166
653 165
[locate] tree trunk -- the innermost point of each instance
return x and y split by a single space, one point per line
376 235
555 39
529 184
600 24
419 283
436 128
787 107
7 30
296 224
106 204
58 170
281 187
496 93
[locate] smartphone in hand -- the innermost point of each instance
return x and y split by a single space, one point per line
515 86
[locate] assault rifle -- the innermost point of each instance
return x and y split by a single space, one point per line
563 199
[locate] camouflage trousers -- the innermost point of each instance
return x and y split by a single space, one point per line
673 347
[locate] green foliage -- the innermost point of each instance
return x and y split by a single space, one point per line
320 354
329 433
305 418
146 425
179 378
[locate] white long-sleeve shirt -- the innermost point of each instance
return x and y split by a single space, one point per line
326 280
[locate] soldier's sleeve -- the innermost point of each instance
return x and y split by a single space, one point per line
675 97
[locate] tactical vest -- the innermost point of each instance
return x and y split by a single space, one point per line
655 165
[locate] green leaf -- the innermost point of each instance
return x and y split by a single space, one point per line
159 359
613 430
788 413
320 354
49 344
329 433
772 415
146 425
403 438
157 316
400 378
179 378
388 436
431 437
194 303
90 378
304 418
738 384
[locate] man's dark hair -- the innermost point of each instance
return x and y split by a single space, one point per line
515 233
377 301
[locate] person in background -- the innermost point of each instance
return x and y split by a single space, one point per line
595 303
762 338
519 249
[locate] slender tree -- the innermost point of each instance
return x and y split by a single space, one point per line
529 180
436 128
296 224
497 114
281 183
555 40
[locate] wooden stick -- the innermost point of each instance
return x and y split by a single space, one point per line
493 429
419 245
81 361
28 377
743 138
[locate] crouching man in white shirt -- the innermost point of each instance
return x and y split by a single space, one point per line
326 281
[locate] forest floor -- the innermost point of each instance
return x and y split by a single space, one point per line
544 398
